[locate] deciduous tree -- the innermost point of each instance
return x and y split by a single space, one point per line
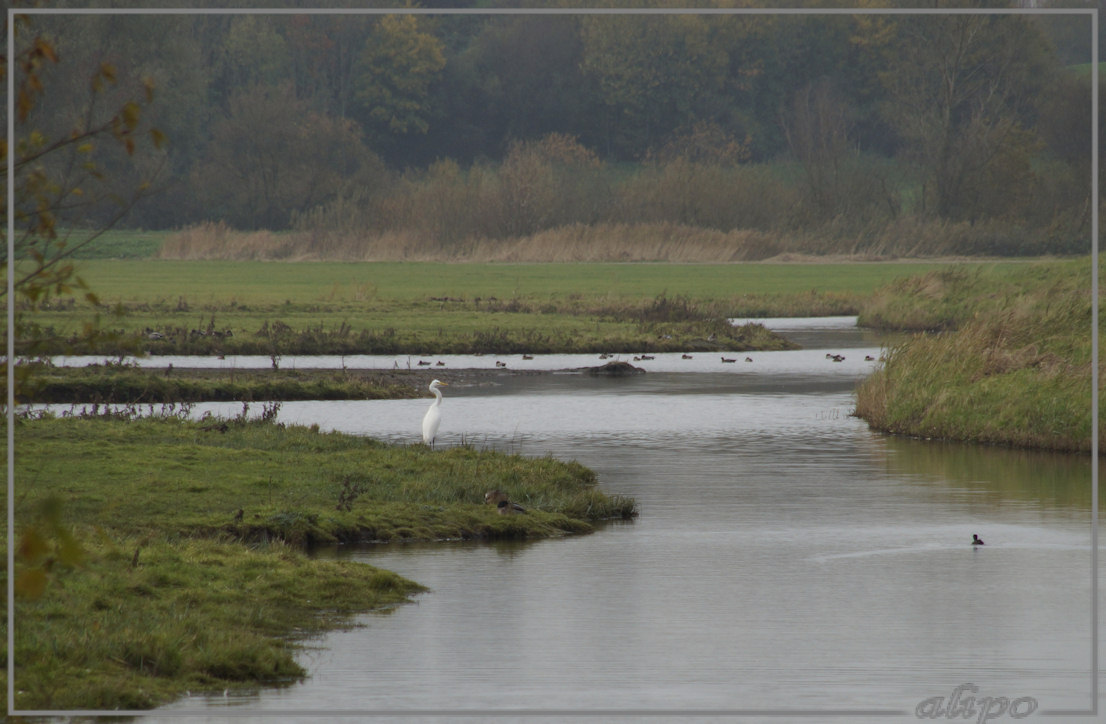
271 156
652 74
960 92
393 77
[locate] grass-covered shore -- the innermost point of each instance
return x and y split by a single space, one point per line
138 622
1004 358
161 555
112 383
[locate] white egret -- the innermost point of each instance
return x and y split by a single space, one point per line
433 417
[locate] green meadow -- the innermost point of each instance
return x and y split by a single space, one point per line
325 283
435 308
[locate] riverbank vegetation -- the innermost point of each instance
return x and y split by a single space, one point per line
139 621
157 554
1004 358
128 384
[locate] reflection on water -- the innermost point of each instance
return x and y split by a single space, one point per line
786 559
996 475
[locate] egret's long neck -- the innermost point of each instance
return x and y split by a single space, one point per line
437 394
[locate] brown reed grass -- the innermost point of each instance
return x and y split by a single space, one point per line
599 242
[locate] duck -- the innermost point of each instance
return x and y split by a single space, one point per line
506 507
729 360
976 540
494 496
502 503
685 356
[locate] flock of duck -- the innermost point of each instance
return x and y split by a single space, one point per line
153 335
833 357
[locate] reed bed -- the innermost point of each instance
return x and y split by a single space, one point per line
657 241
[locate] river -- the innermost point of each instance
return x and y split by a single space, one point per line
788 564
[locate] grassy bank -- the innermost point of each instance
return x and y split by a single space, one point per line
140 621
1007 359
183 307
134 385
404 331
174 561
146 476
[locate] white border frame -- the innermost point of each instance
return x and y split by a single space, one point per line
1092 710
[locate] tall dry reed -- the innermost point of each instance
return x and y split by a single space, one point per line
554 200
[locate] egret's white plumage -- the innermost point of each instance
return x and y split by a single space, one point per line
433 416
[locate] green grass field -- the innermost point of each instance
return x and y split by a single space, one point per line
437 308
121 266
116 243
332 283
440 308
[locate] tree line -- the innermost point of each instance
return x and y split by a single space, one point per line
461 126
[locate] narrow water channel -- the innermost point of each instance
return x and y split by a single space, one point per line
786 559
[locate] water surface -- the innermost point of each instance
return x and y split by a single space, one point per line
785 559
